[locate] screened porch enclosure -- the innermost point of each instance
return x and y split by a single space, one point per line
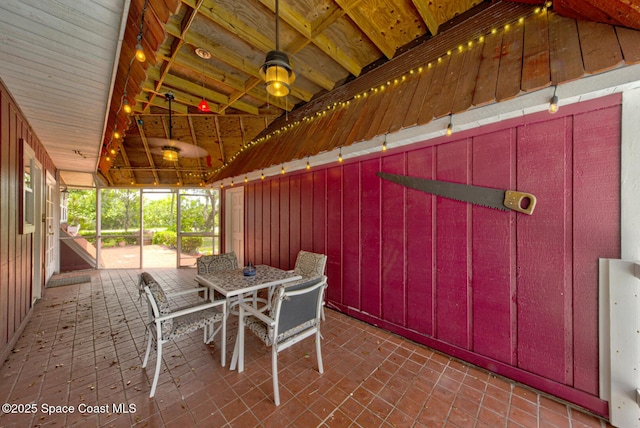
137 228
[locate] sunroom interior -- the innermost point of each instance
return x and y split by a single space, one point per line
139 135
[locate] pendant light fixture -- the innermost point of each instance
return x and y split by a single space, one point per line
170 153
204 54
276 70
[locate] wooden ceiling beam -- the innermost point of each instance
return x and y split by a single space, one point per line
253 82
220 144
242 132
182 99
219 76
231 58
250 34
368 28
143 98
166 67
427 16
194 88
192 131
304 27
125 159
145 144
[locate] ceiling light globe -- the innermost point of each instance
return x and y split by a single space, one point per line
170 153
204 106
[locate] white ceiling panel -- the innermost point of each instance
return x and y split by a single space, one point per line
57 61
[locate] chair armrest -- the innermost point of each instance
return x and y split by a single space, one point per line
253 311
188 291
192 309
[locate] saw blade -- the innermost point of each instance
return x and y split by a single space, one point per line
477 195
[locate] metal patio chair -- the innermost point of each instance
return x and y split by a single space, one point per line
293 316
165 324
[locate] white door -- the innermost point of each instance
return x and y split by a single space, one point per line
38 234
51 231
234 222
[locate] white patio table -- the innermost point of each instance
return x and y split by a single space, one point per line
233 283
235 286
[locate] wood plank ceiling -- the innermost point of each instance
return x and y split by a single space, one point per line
339 49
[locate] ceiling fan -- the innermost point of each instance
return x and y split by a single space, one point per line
171 149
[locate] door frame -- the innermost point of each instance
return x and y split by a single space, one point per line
228 221
51 188
39 234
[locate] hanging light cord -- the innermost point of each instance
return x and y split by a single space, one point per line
144 9
277 27
169 96
133 58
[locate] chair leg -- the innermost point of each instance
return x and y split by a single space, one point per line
146 355
223 346
274 368
319 352
158 364
240 342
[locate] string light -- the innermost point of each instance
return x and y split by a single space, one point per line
246 179
126 107
553 102
340 155
282 170
308 164
262 176
140 55
450 126
384 143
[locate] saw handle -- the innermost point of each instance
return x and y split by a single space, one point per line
519 201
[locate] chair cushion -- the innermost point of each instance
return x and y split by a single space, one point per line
217 263
310 264
185 324
163 306
265 334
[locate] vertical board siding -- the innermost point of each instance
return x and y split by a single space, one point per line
543 159
393 244
295 220
513 293
596 163
334 233
370 238
16 250
452 238
493 251
351 235
420 261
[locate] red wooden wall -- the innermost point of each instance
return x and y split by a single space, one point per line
16 251
516 294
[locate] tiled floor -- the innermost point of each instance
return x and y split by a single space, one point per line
84 345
